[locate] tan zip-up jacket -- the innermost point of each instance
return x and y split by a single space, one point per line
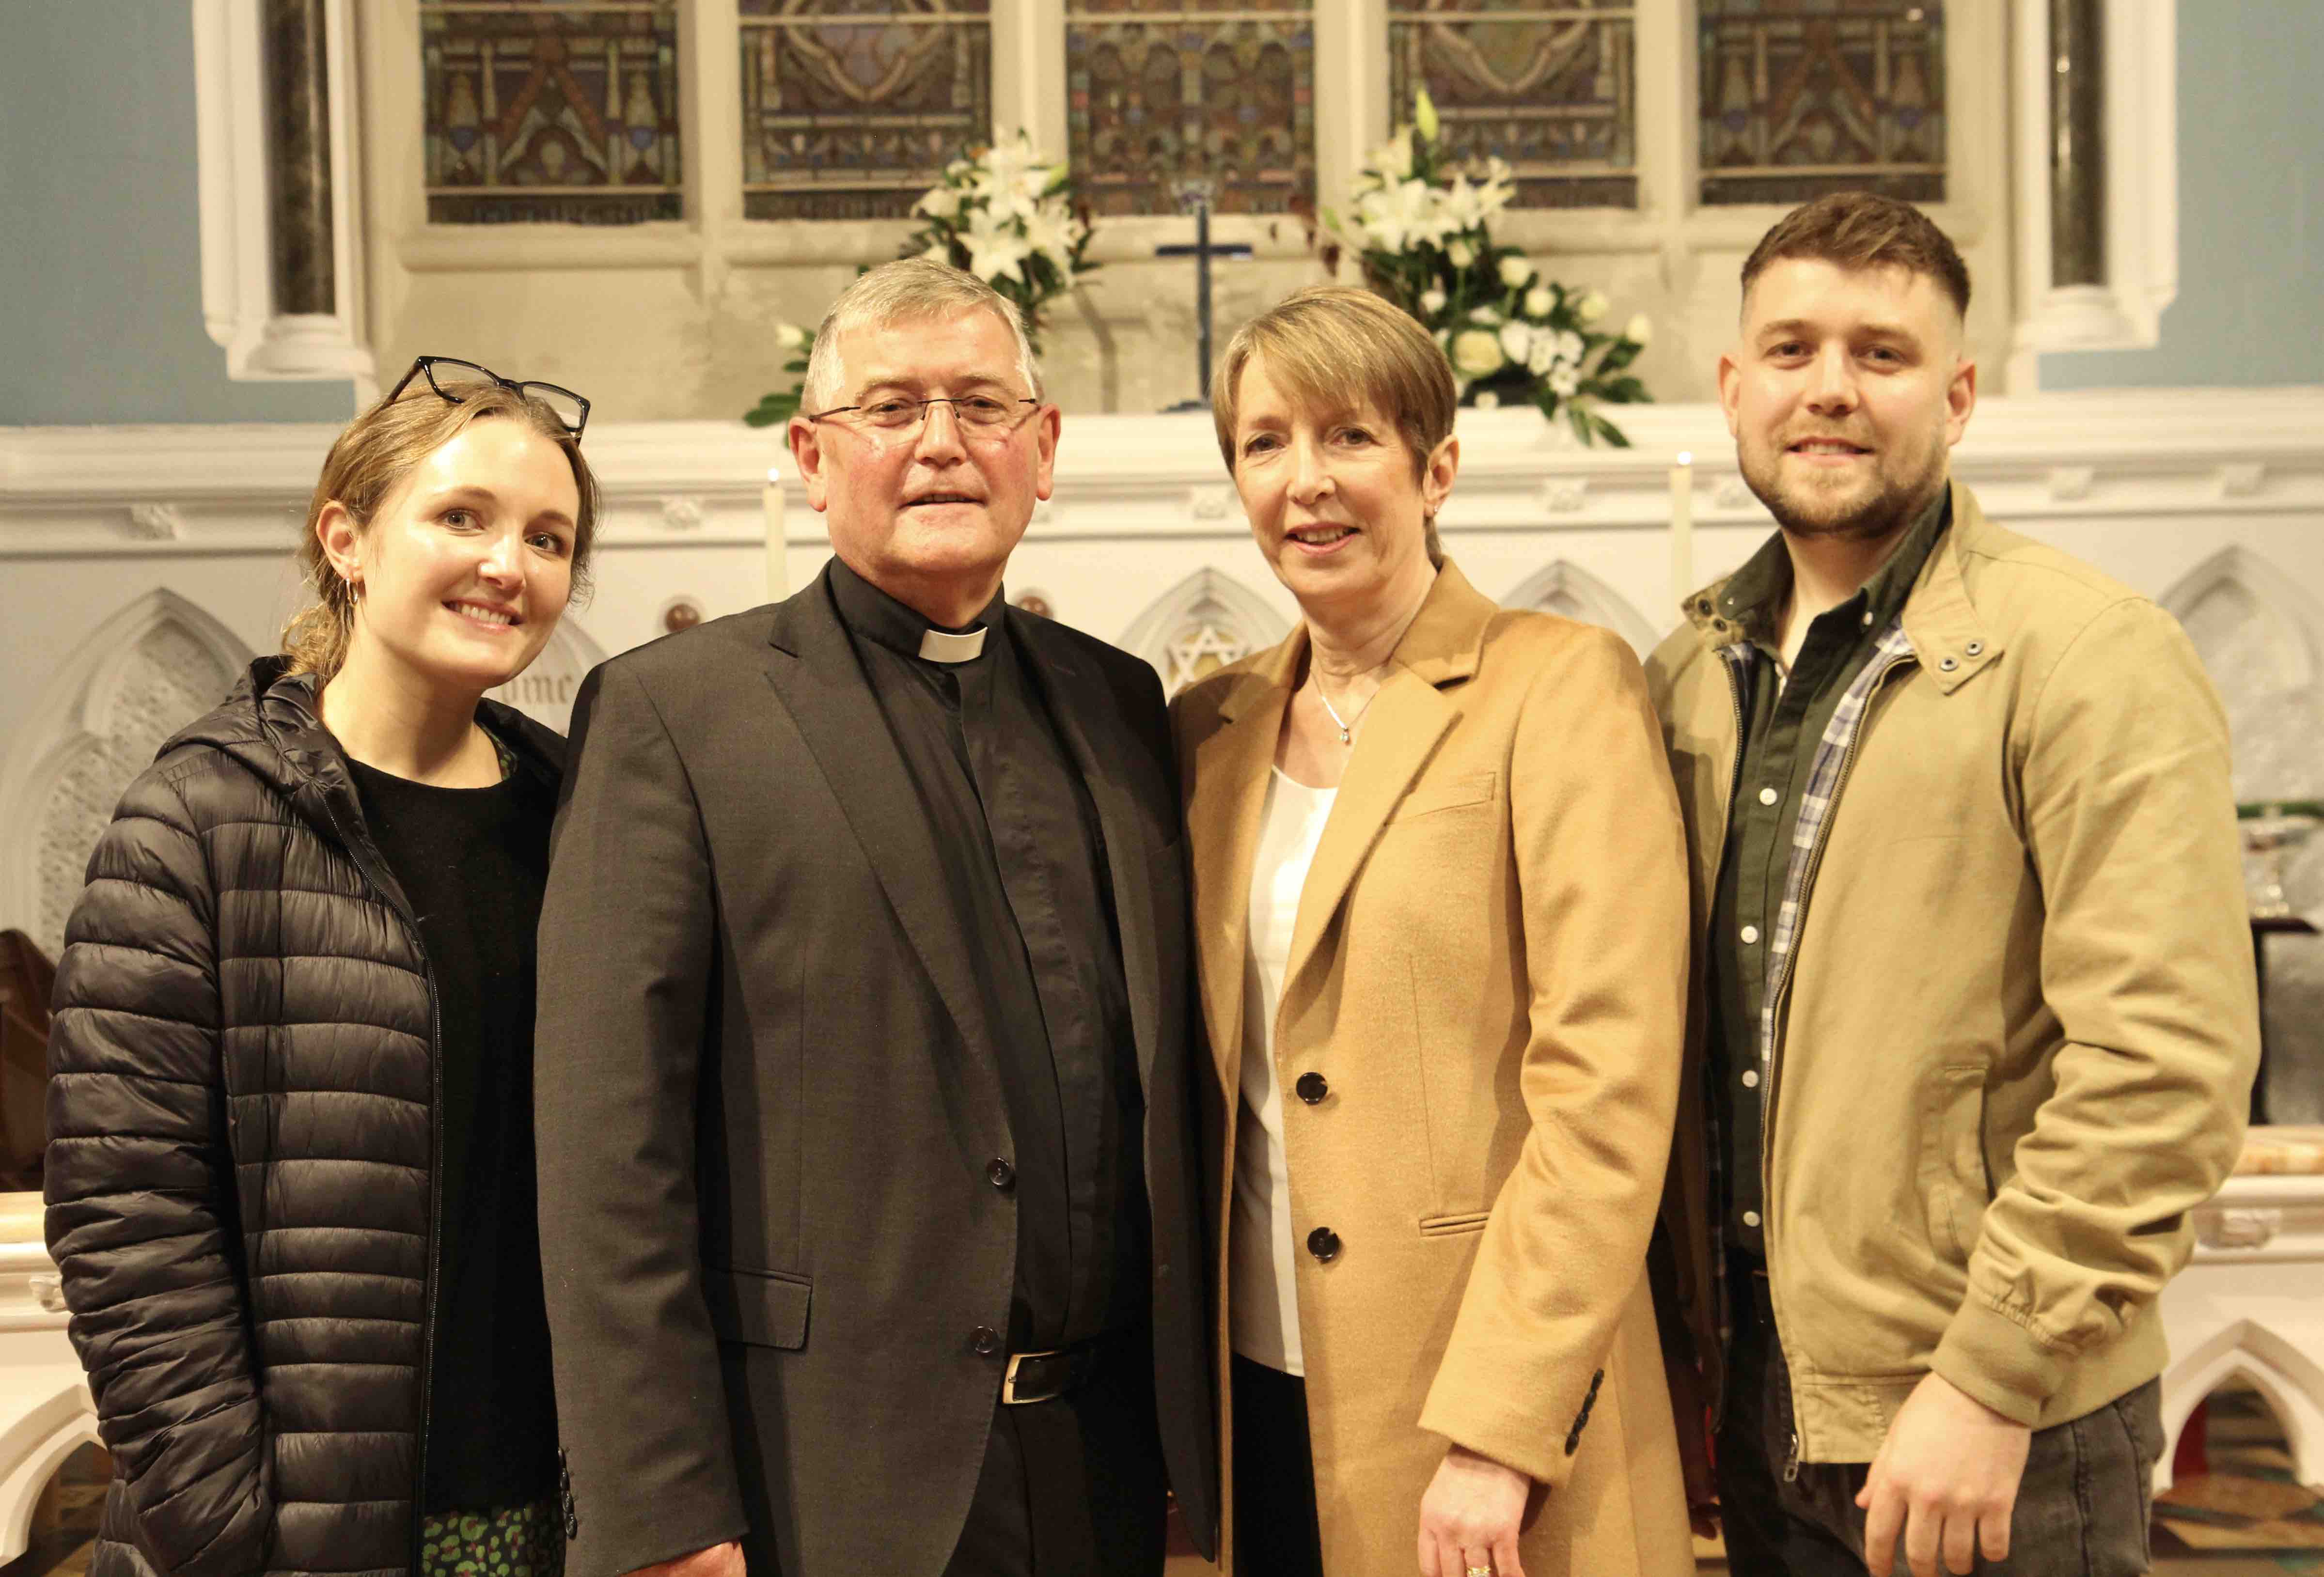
2018 1040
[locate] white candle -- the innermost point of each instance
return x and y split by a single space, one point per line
1682 503
771 500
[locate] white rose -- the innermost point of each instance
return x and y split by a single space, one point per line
1432 302
1516 341
1461 253
1640 330
1515 271
1477 353
1592 307
1488 400
1539 302
790 336
1564 379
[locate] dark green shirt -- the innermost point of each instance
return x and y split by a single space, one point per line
1783 720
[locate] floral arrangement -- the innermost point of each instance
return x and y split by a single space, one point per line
1422 231
1002 213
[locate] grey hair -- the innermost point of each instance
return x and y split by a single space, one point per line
909 288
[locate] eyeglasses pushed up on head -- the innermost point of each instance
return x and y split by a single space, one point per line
983 413
457 380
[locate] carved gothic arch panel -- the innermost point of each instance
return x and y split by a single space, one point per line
2290 1379
1206 621
1566 588
2254 636
143 674
43 1434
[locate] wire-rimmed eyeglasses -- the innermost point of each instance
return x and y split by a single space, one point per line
978 413
455 380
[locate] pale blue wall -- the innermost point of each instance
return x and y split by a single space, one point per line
2251 207
100 267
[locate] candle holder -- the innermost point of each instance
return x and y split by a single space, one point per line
2271 832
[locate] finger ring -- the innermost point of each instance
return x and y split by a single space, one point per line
1480 1571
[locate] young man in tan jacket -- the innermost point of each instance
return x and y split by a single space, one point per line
1974 1023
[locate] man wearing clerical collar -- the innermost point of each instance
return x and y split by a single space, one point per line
865 1127
1974 1022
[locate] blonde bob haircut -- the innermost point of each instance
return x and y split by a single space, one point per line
908 289
1333 347
371 461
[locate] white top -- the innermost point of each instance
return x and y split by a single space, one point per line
1263 1292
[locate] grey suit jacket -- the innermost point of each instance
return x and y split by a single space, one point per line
766 1097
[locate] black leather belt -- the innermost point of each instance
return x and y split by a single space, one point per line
1044 1377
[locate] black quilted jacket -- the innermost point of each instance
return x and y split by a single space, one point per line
239 1164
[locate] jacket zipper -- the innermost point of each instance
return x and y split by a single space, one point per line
358 851
1772 1058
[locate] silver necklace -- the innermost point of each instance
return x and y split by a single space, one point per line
1343 724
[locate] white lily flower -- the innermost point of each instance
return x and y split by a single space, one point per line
939 202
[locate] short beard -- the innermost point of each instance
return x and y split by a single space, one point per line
1887 513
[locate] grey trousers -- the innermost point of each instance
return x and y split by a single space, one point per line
2082 1506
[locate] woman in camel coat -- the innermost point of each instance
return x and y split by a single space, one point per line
1440 909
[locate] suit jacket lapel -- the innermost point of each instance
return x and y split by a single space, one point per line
814 668
1087 719
1401 729
1232 769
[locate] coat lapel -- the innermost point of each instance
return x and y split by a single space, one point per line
1231 770
1401 730
815 670
1103 748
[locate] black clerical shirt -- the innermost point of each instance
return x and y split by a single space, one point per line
1025 867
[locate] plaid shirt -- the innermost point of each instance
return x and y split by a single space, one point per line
1832 755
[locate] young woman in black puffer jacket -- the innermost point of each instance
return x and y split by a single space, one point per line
290 1170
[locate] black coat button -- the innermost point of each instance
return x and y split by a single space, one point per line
985 1339
1311 1088
1000 1173
1325 1244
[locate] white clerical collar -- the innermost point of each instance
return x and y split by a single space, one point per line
936 646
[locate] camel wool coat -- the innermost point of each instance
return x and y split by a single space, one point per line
1488 968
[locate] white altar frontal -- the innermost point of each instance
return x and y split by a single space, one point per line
141 567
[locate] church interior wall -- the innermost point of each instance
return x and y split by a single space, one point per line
101 273
2251 208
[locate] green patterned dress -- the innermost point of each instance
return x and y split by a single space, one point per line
512 1541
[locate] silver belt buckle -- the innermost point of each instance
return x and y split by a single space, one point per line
1008 1379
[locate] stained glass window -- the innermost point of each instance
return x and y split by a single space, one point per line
1161 91
1549 88
1800 97
851 108
536 111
